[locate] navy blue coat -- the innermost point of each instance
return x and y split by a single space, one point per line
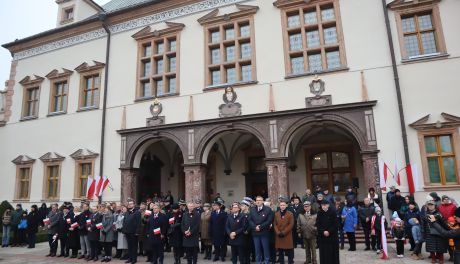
157 222
217 228
237 225
264 219
410 214
191 222
94 233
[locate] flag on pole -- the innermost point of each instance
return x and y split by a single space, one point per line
397 176
99 226
90 188
98 186
383 171
102 184
415 177
157 231
410 179
384 239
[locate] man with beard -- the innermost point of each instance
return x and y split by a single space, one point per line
328 243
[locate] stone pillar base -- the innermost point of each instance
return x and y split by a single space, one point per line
129 184
277 178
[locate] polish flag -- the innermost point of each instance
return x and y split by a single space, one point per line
101 185
171 220
397 176
46 221
148 212
410 179
74 225
91 187
69 221
383 171
384 239
88 222
157 231
99 226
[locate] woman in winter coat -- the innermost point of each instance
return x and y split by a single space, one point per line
43 212
412 212
445 233
122 243
435 244
107 234
33 221
350 222
283 224
73 241
6 221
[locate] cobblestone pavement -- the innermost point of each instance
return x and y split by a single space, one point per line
37 255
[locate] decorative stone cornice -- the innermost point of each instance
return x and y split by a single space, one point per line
83 154
449 121
52 157
23 160
125 26
212 17
84 67
54 74
402 4
148 33
28 81
289 3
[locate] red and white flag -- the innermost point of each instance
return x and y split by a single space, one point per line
99 226
384 239
88 222
74 225
91 187
383 171
148 212
171 220
397 174
46 221
101 185
69 221
157 231
410 179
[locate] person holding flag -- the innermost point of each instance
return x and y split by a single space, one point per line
107 232
190 227
157 227
175 233
83 231
73 241
94 232
51 223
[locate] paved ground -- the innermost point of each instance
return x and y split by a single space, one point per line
37 255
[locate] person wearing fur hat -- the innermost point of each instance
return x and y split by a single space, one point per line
446 233
435 244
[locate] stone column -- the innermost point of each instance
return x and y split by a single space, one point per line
129 184
195 181
371 170
277 178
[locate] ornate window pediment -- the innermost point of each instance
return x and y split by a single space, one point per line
449 121
83 154
23 160
148 33
52 157
85 67
212 17
402 4
55 74
30 81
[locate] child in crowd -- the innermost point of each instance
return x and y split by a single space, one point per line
376 230
397 230
418 239
22 227
453 225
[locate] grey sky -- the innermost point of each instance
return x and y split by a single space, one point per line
23 18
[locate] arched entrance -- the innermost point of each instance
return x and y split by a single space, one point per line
235 166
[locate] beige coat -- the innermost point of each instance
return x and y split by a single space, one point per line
204 226
306 225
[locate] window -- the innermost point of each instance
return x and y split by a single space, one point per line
313 37
85 170
52 181
158 61
31 97
90 85
419 28
23 177
440 158
230 51
67 14
59 96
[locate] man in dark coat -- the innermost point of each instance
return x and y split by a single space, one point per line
15 219
190 229
130 228
63 230
235 227
260 220
328 243
94 233
365 214
217 230
396 201
83 231
175 232
295 208
390 195
33 221
156 232
52 227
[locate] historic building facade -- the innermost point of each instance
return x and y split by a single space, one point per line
237 97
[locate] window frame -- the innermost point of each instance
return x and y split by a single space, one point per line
287 7
17 193
453 132
54 78
86 71
211 22
408 10
77 182
29 84
64 19
46 186
147 36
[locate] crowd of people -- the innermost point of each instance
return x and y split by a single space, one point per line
259 230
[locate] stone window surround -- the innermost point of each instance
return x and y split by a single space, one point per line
86 71
78 196
212 21
64 19
55 78
407 9
22 161
28 84
47 164
146 36
288 6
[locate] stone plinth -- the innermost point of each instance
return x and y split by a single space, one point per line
277 178
128 184
195 182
